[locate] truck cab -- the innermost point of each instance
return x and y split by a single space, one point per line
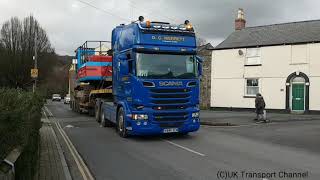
155 79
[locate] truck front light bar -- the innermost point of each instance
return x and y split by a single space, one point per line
195 115
139 117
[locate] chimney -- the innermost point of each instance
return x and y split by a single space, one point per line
240 22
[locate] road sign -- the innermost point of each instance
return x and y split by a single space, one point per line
34 73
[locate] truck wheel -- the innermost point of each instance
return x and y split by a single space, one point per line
104 122
97 113
122 131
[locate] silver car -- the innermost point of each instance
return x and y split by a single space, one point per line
67 99
56 97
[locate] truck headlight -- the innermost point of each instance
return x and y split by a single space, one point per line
139 116
195 115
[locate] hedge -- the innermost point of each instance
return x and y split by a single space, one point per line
20 121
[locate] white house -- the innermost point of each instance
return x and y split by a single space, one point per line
281 61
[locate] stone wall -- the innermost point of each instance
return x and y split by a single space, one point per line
206 53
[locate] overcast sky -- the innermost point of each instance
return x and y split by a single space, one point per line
70 22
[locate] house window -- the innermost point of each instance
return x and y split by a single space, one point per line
253 56
252 87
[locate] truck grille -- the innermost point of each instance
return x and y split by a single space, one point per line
174 116
178 97
169 106
174 107
177 101
170 90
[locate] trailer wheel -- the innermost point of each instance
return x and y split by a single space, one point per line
121 128
97 113
104 122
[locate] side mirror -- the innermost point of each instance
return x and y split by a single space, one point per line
199 61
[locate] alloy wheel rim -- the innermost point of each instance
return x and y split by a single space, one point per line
102 118
97 114
121 123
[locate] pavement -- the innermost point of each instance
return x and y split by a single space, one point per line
214 152
52 164
236 118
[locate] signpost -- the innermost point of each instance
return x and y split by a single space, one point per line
34 73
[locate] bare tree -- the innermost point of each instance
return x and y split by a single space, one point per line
18 40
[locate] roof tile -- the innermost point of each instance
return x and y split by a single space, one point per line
276 34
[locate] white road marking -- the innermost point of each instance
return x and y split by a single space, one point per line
69 126
73 154
49 112
79 161
45 114
182 147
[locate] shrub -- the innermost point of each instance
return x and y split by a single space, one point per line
20 121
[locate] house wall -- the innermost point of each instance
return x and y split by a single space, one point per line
277 63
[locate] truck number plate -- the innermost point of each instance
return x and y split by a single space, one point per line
171 130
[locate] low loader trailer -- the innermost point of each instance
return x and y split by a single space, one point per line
147 84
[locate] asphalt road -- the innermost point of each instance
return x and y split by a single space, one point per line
280 147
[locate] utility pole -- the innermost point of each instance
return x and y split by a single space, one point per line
35 58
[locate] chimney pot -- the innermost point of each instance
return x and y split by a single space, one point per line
240 22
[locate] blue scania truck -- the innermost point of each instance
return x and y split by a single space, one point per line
155 80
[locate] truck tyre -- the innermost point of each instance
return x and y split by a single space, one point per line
104 122
97 113
122 131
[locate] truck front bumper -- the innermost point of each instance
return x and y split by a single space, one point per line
149 128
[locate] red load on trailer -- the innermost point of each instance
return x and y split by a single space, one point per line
94 72
97 58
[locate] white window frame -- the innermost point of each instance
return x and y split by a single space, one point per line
246 87
255 55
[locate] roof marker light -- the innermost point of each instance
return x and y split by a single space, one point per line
148 24
165 27
189 26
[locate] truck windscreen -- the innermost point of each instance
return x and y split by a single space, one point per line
166 66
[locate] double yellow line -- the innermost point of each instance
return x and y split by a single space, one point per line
84 170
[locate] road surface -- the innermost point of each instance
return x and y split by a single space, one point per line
212 153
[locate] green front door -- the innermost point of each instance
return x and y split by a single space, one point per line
298 97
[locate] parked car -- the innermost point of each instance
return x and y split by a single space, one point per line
56 97
67 99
